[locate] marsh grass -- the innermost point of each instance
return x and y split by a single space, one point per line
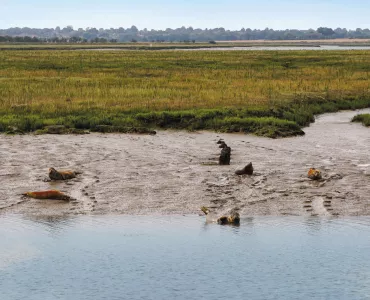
264 92
364 119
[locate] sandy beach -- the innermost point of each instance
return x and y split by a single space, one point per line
173 172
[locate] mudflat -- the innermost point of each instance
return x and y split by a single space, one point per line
175 172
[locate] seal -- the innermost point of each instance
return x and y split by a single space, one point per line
248 170
61 175
314 174
232 219
50 194
225 155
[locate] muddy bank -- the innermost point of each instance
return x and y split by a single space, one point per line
170 173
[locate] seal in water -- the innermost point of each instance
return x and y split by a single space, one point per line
232 219
314 174
61 175
248 169
51 194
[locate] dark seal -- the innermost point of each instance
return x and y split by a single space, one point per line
248 170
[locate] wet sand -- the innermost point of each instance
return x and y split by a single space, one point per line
170 173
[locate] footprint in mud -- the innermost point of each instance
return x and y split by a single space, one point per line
221 202
307 205
327 205
318 206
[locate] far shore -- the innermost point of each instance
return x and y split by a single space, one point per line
177 45
322 41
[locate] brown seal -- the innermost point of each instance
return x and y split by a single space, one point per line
248 170
61 175
51 194
232 219
314 174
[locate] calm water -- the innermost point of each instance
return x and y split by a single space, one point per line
283 48
127 257
254 48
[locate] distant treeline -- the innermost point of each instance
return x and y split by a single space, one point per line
133 34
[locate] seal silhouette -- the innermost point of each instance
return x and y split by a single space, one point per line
248 170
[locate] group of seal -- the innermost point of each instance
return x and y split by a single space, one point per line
224 159
53 194
233 217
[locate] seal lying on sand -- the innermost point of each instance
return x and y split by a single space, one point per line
51 194
61 175
232 219
248 169
314 174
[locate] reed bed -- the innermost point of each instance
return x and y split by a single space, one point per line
219 90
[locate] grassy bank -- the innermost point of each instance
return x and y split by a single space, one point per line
364 119
272 93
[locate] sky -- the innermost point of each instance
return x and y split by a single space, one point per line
162 14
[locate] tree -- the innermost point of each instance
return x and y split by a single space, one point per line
325 31
134 29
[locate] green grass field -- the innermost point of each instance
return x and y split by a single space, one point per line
271 93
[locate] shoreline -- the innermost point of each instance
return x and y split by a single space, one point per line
173 46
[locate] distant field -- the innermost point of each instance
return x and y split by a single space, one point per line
265 92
